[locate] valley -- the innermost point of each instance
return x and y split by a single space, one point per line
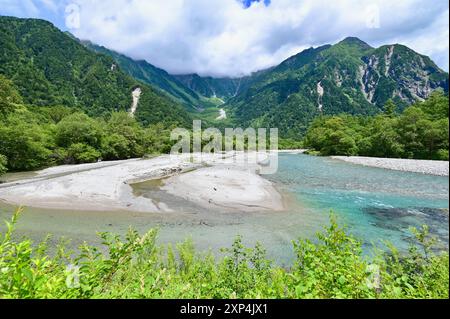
86 136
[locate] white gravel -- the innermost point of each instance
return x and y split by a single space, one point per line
439 168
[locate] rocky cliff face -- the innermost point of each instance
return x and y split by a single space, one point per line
397 72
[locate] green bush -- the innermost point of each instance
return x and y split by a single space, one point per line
333 266
124 138
78 128
25 144
442 155
81 153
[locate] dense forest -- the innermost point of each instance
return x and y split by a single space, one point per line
421 131
33 137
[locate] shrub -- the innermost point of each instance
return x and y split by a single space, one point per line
81 153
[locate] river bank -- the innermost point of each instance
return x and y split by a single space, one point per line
438 168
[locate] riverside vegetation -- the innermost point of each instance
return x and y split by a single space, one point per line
332 266
419 132
35 137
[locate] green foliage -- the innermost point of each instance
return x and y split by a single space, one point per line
9 97
33 140
78 153
3 162
136 267
124 138
78 128
35 137
24 142
332 268
390 108
332 136
289 144
421 131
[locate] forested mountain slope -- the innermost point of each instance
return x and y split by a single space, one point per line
349 77
158 78
51 68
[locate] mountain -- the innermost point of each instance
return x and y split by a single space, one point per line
52 68
158 78
348 77
222 88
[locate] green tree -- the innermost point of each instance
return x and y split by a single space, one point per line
9 96
25 143
115 146
79 153
333 136
390 108
124 137
384 139
78 128
436 106
433 136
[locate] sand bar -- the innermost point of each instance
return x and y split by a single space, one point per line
106 185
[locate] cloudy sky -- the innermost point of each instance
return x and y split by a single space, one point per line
236 37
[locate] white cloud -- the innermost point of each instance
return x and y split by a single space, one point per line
220 37
432 40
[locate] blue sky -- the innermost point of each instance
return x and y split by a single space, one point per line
248 3
236 37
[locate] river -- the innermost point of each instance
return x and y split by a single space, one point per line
376 205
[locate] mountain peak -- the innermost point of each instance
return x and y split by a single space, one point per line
354 41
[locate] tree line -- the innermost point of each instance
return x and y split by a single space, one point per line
421 132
